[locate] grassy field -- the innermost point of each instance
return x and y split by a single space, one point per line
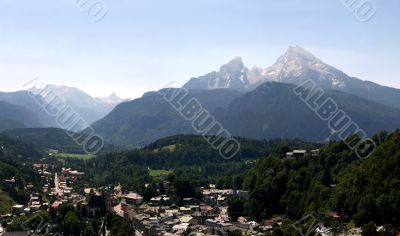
158 173
6 203
170 148
75 156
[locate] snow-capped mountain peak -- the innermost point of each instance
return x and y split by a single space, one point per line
113 98
298 65
89 108
295 66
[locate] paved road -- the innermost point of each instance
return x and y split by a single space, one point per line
57 184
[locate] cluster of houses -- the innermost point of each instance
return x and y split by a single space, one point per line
62 192
160 216
206 217
42 169
55 190
36 201
219 196
68 173
302 153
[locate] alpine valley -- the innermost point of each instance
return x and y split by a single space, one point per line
249 102
258 103
156 176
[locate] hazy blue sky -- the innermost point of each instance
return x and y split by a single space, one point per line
143 45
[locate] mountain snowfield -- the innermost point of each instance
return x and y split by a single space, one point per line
294 67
